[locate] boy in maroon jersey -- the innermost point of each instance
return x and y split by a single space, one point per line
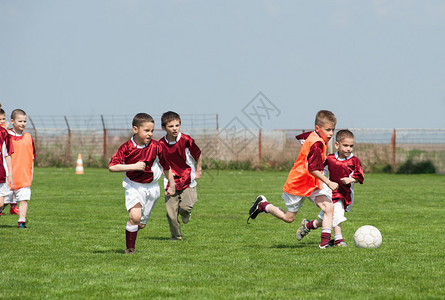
6 177
345 169
181 153
140 158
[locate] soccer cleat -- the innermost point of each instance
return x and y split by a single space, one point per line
130 251
186 219
21 225
14 210
303 230
328 245
254 210
175 238
341 244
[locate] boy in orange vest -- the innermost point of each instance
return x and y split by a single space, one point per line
306 180
22 163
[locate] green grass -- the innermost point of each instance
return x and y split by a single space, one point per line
73 247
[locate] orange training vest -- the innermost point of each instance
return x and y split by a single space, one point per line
22 160
300 181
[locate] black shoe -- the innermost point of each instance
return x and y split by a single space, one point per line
254 209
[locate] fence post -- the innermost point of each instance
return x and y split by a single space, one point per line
393 150
105 137
68 149
260 145
35 131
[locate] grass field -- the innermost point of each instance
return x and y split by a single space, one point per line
73 247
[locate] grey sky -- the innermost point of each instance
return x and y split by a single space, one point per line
374 63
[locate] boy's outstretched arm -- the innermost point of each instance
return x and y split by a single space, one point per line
171 183
331 184
139 166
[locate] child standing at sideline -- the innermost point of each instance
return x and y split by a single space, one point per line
22 162
182 153
306 180
140 157
6 182
345 169
13 209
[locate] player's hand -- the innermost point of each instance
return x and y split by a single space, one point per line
139 166
11 183
347 180
170 191
198 174
333 185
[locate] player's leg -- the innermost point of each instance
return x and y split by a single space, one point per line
338 219
133 203
172 206
22 196
293 203
151 195
188 200
286 216
327 207
4 191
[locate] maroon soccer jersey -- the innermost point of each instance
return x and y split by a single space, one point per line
151 154
339 168
6 150
181 155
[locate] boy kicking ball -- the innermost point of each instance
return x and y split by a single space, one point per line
306 180
139 158
345 169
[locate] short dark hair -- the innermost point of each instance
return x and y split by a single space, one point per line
17 112
324 116
169 116
141 118
343 134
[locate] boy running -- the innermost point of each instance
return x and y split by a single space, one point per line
306 180
345 169
140 158
182 153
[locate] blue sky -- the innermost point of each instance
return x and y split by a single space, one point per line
375 64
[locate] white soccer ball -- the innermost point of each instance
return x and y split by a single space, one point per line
367 237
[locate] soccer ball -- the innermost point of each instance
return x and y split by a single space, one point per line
367 237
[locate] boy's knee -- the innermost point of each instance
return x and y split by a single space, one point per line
329 207
289 219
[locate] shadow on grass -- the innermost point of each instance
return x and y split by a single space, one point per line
294 246
157 238
8 226
119 251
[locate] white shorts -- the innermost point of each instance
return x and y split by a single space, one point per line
20 195
294 202
339 213
147 194
4 189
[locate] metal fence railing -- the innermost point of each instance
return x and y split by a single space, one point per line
60 138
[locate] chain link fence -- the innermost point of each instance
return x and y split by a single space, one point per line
59 139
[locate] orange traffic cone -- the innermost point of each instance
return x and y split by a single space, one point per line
79 165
